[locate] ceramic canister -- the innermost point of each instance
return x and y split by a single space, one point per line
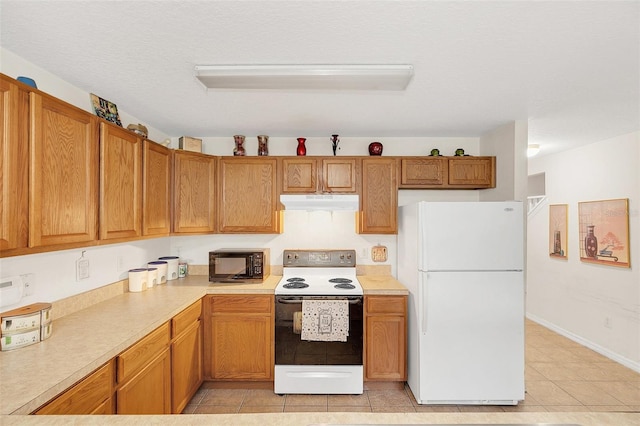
161 265
172 266
137 279
152 277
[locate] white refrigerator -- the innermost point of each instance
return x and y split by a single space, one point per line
463 265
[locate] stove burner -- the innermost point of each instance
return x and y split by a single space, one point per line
295 279
345 286
341 281
295 284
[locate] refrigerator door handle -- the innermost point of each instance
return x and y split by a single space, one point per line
423 302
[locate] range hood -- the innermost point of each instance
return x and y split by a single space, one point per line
312 202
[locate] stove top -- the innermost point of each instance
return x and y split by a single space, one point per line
319 273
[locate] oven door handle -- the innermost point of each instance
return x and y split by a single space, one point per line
352 301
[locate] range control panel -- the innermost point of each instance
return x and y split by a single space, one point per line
319 258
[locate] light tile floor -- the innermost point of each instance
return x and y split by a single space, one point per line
560 375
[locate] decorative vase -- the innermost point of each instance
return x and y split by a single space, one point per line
239 149
263 148
435 152
375 148
335 140
591 243
301 150
459 152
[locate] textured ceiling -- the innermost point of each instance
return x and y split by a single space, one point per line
571 68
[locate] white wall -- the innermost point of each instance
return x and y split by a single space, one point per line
573 297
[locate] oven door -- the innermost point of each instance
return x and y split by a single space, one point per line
290 349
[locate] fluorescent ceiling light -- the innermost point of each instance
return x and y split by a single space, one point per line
305 77
533 149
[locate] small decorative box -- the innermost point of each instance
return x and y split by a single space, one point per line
190 144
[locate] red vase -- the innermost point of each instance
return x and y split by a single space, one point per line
302 150
375 148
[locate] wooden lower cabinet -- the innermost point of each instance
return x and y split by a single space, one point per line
186 356
144 375
92 395
148 391
239 337
385 338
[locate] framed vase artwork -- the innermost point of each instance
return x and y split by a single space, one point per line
558 224
604 232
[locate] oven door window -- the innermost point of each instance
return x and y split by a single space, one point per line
292 350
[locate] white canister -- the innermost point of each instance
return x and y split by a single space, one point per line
172 266
161 265
152 277
137 279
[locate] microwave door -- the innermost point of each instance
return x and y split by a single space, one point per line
230 268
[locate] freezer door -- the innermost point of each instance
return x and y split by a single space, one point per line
460 236
471 338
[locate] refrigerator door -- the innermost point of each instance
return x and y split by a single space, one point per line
471 236
471 348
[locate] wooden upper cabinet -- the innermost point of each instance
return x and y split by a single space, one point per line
340 175
248 196
120 183
64 173
379 199
156 201
14 166
447 172
299 175
423 171
478 172
194 192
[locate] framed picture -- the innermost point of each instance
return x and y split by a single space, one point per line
105 109
604 232
558 230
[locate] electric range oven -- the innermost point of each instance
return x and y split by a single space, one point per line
319 324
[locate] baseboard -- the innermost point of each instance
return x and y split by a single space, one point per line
635 366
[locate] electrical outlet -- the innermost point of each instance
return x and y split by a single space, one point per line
29 283
607 322
120 266
82 269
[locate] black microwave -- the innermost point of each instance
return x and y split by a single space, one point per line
239 265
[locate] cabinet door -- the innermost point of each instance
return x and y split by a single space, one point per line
299 175
379 201
14 166
241 347
186 362
64 174
194 192
476 172
385 356
340 175
156 188
120 183
238 338
149 391
423 172
248 196
92 395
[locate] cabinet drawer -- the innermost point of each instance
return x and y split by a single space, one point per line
92 393
241 304
141 353
386 304
184 319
